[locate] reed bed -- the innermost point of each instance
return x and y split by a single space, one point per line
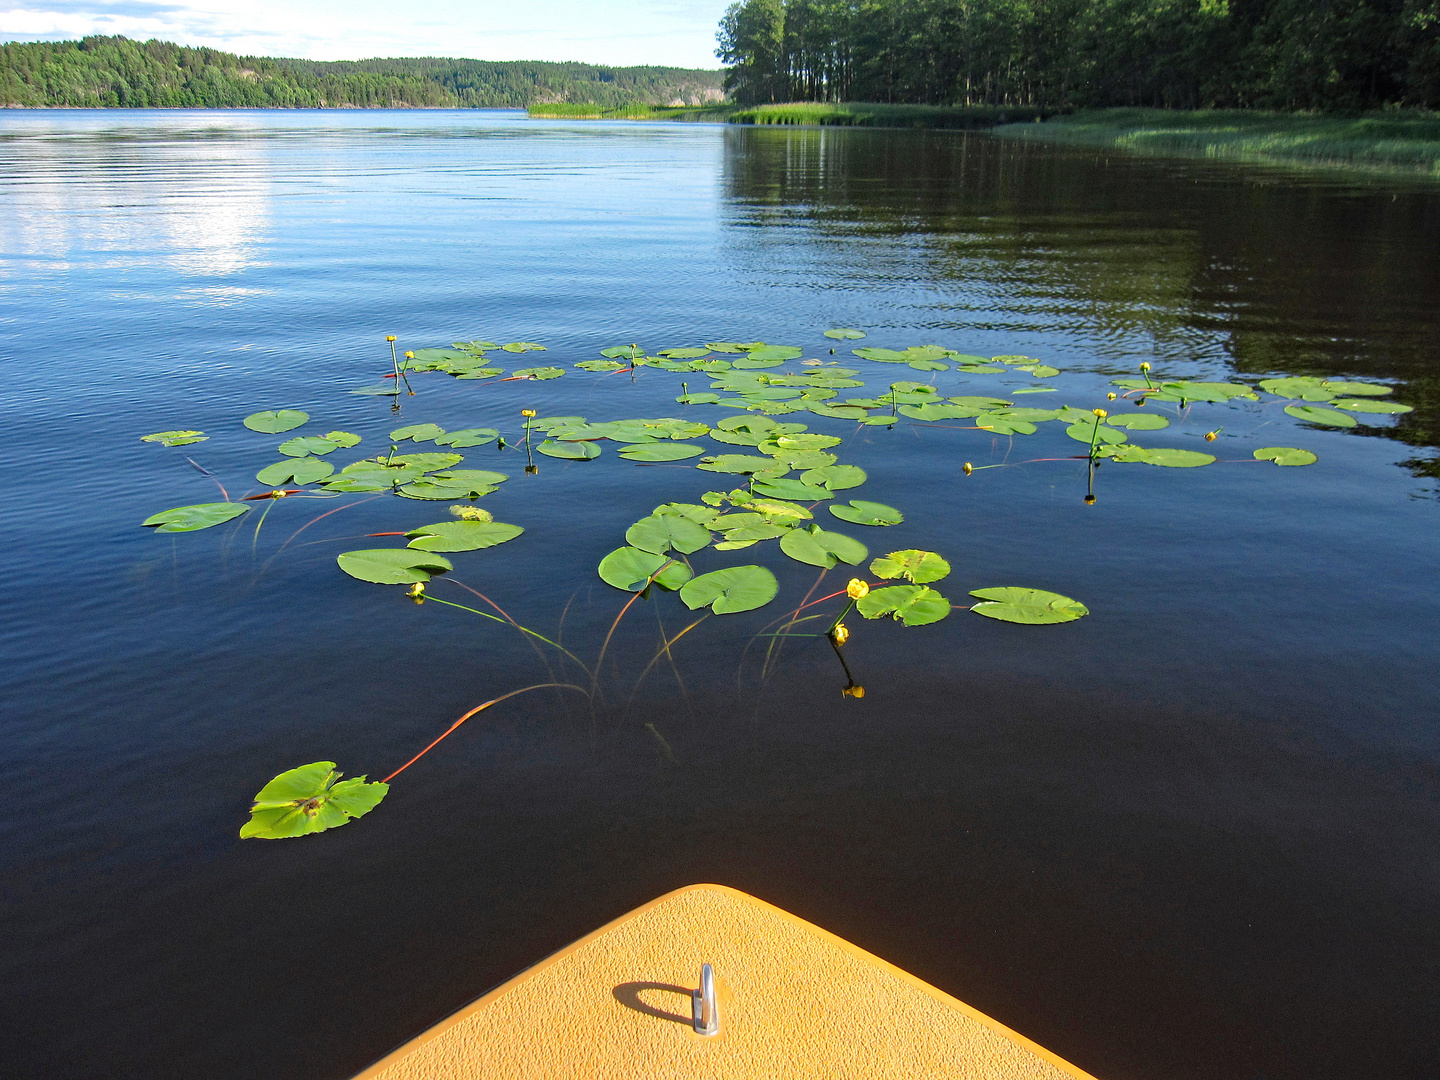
1392 141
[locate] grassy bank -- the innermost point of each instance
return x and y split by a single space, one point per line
849 114
567 111
1393 141
860 114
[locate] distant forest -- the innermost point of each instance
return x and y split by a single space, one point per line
1326 55
115 72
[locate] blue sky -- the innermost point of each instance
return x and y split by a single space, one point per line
673 32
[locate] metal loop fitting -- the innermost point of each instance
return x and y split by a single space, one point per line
703 1002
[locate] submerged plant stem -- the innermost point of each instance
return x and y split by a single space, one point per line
472 712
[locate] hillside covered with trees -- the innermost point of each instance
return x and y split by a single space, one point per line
1061 54
108 72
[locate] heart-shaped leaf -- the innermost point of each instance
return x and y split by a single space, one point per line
868 513
1031 606
819 547
1318 414
573 451
912 565
306 445
478 436
658 533
304 470
417 432
462 535
392 566
175 438
309 800
661 452
1138 421
792 489
914 605
845 335
273 422
631 569
835 477
1285 455
194 518
541 373
735 588
342 438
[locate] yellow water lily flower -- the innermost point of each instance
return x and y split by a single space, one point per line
857 588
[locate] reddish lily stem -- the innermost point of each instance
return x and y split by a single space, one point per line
472 712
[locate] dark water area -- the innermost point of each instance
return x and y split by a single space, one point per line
1192 835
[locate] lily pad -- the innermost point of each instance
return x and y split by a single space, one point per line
309 800
658 533
683 354
1085 430
1033 607
1166 458
175 438
701 515
462 535
478 436
835 477
1138 421
914 605
392 566
912 565
443 490
301 470
845 335
540 373
194 518
306 445
1358 389
1004 425
819 547
1285 455
776 352
273 422
600 365
985 404
1302 387
792 489
868 513
1318 414
884 356
631 569
342 438
937 411
735 588
523 346
661 452
1348 404
744 464
574 451
417 432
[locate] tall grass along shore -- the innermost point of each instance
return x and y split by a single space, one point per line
1392 141
849 114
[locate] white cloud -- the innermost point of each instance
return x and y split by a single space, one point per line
671 32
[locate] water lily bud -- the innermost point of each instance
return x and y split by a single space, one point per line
1100 413
1139 402
389 337
1144 365
1211 436
527 413
969 468
409 356
854 691
841 633
857 589
1110 397
416 592
1089 500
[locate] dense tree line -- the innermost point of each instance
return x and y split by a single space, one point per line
1280 54
100 72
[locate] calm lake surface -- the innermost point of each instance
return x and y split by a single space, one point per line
1193 835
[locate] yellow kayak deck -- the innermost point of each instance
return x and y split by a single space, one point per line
795 1001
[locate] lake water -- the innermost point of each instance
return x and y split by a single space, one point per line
1191 835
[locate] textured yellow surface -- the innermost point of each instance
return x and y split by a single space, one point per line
795 1002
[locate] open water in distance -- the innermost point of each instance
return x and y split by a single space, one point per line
1193 835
